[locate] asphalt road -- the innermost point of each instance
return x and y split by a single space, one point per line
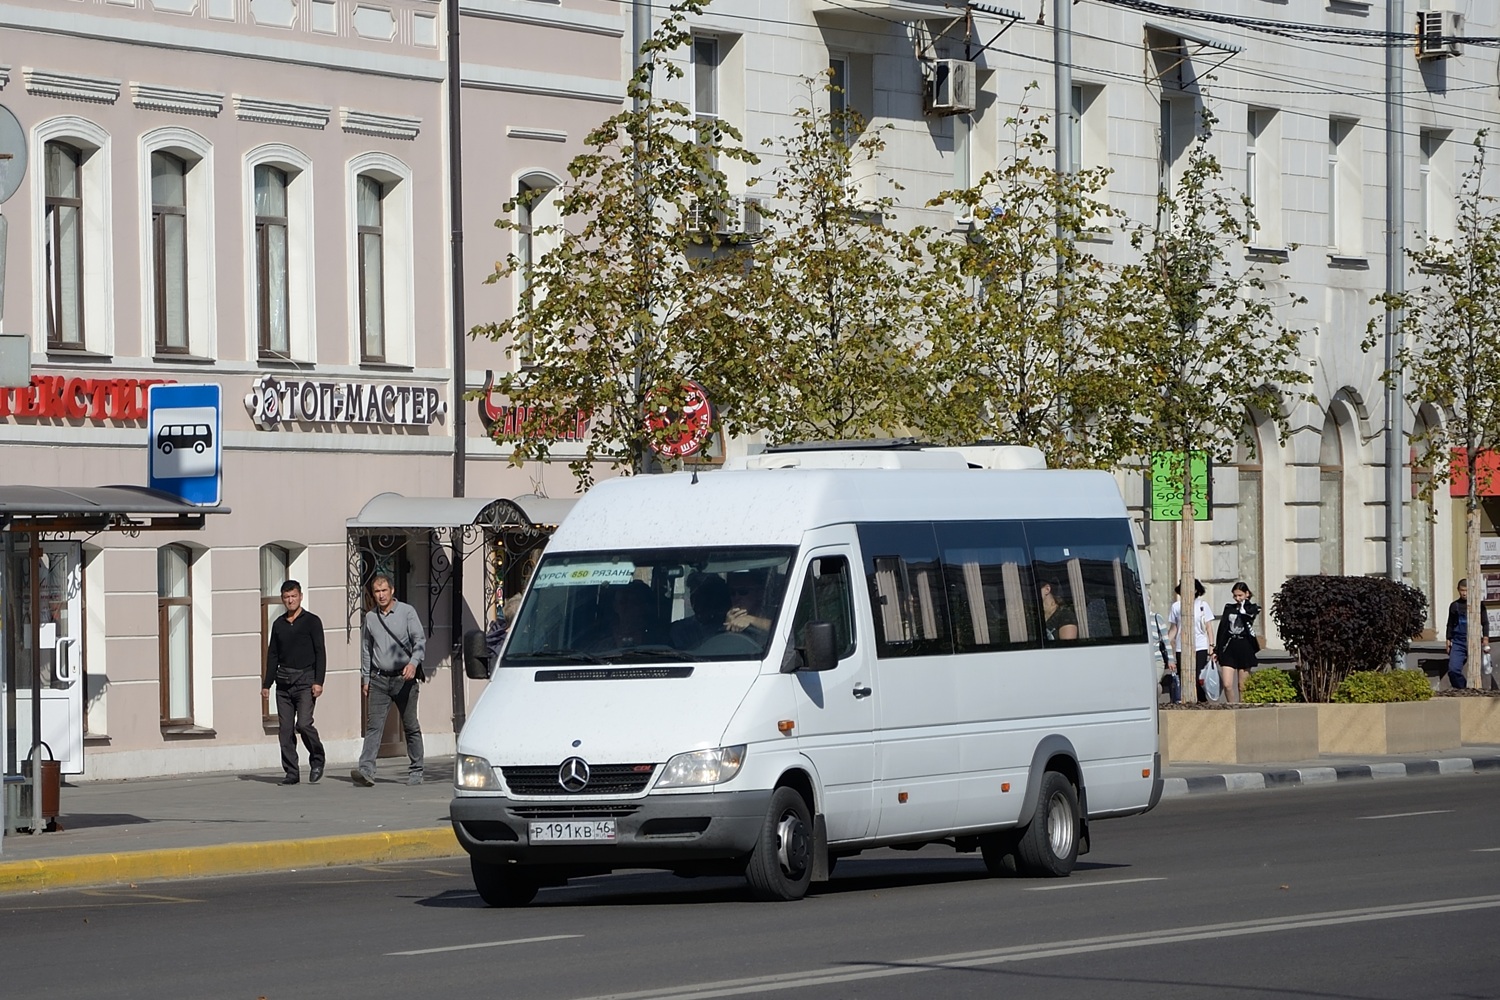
1355 890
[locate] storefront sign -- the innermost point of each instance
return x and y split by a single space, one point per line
67 397
1489 551
507 422
275 401
678 433
1486 471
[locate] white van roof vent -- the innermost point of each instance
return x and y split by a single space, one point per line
1001 456
885 453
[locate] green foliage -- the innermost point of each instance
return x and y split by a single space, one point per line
1336 625
831 297
1449 323
621 298
1269 687
1368 687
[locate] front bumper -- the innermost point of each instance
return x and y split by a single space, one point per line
658 830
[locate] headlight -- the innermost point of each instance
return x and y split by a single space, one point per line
475 773
702 767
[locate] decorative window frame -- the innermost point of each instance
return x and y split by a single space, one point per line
397 242
98 231
523 242
301 256
202 294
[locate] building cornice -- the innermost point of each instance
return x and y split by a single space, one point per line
151 97
386 126
71 86
260 109
544 134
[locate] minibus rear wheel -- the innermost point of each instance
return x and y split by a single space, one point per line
1049 846
780 866
502 885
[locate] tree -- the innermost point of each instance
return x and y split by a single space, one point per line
1336 625
1019 318
832 295
1450 326
1197 339
628 302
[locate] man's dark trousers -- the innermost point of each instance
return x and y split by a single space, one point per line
294 711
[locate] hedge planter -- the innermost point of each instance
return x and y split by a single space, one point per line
1250 735
1396 727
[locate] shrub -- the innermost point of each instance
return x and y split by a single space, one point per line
1267 687
1336 625
1372 687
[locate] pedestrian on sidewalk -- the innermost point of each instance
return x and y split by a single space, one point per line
296 663
391 647
1202 615
1458 637
1236 645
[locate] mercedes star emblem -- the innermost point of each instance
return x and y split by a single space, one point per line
573 775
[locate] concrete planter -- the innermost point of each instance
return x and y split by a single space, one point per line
1479 719
1398 727
1240 736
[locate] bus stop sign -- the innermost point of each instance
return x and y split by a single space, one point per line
185 424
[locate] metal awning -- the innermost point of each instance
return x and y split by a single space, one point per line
97 508
392 510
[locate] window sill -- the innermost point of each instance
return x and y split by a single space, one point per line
186 729
1096 236
96 739
182 359
387 366
1348 262
78 354
1279 255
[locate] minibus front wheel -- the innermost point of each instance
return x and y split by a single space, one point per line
503 884
780 866
1049 845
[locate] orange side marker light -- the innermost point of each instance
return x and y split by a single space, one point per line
786 725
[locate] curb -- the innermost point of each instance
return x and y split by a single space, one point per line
1255 781
226 859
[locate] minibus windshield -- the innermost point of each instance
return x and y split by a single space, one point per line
650 606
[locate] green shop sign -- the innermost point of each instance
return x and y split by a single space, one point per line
1164 486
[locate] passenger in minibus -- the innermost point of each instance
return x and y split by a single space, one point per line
1058 619
630 621
710 596
747 592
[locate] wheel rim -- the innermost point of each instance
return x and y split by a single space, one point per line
1060 825
792 848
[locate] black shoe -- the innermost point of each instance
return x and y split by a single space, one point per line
361 778
314 776
290 779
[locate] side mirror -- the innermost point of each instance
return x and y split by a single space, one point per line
476 655
818 649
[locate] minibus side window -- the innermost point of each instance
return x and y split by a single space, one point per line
1091 566
907 597
990 591
827 596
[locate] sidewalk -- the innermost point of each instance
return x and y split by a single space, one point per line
115 832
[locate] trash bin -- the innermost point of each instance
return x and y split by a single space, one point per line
51 783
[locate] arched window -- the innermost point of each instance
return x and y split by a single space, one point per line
174 606
73 281
1331 499
536 222
382 288
63 224
279 253
178 247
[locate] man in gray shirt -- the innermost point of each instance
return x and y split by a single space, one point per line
391 647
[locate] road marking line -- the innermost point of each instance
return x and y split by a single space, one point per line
1425 812
855 971
1485 850
485 944
1076 883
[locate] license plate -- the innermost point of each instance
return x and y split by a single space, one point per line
574 831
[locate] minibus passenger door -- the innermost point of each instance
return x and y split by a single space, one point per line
836 708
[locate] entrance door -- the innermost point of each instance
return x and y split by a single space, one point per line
836 708
59 570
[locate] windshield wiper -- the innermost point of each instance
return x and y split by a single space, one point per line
668 652
572 656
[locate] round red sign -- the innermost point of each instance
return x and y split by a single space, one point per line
677 434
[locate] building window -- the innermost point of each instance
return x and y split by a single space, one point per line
1263 175
275 569
537 234
169 251
1331 500
174 605
371 235
1250 517
1345 211
63 227
273 299
838 89
1435 184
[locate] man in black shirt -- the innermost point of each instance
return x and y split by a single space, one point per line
296 663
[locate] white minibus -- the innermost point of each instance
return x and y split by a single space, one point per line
813 652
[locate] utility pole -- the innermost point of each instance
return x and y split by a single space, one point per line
460 355
1395 283
1062 56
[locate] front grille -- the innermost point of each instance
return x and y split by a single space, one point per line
604 779
602 811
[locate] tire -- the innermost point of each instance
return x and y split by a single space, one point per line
999 853
199 446
166 447
780 866
502 885
1048 847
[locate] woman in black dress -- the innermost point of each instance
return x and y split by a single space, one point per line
1236 645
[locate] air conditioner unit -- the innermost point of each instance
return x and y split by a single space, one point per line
752 223
951 87
734 218
1438 34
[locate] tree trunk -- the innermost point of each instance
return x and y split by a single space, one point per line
1473 666
1187 660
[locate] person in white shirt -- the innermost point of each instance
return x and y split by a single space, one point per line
1202 615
